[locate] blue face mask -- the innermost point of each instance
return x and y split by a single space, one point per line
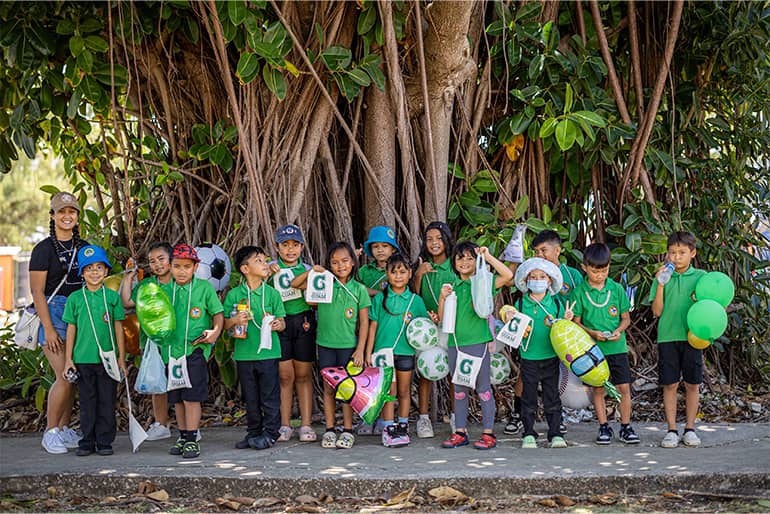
537 286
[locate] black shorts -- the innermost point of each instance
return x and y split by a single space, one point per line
620 369
403 362
197 370
678 360
298 339
333 357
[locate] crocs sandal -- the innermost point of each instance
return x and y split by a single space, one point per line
307 434
345 441
285 433
329 439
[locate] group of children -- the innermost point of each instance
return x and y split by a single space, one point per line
366 323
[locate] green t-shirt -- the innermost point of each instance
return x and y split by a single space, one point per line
391 326
76 311
373 277
470 329
194 304
337 320
537 346
264 300
572 279
600 309
678 297
430 285
296 305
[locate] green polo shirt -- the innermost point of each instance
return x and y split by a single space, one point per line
572 279
297 305
470 329
678 297
391 326
166 289
76 313
264 300
600 309
337 320
373 277
430 285
197 312
538 346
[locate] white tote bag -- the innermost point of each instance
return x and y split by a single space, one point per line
320 287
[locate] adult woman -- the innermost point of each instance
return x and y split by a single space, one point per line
53 276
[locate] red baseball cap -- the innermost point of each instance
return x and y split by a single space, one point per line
184 251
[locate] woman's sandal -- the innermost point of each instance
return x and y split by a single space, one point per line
329 439
345 441
307 434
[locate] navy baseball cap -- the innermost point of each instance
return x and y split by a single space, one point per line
289 232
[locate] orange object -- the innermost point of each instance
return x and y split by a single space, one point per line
696 342
113 282
131 334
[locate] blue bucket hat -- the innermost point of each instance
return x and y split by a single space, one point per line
91 254
381 234
289 232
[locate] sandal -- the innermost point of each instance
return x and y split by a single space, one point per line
307 434
345 441
285 433
329 440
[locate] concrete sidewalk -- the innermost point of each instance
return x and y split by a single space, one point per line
734 458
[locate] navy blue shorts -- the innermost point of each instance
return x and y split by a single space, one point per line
677 361
197 370
298 339
620 368
333 357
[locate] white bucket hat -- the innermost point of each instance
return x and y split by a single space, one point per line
549 268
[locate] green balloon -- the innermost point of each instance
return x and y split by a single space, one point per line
707 319
155 312
715 286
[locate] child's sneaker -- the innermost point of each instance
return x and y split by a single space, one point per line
456 440
285 433
261 442
528 442
424 427
178 447
514 426
628 436
487 442
191 450
345 441
558 442
605 434
690 438
69 437
156 432
670 440
392 438
52 442
329 439
402 429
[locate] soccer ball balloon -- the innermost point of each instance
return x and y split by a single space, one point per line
214 266
499 368
422 334
433 364
573 392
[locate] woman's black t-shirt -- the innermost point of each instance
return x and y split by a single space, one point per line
45 258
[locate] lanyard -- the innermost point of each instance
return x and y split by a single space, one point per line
91 318
592 302
248 301
354 297
403 321
187 316
567 272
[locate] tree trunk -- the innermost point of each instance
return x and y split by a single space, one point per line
380 148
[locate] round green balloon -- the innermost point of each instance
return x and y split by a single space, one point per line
707 319
715 286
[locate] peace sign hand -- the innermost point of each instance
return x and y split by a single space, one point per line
568 314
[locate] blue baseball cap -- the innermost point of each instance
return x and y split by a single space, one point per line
289 232
381 234
91 254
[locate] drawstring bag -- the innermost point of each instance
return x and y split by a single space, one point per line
151 378
482 288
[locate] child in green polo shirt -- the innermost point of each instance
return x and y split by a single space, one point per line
159 257
602 309
471 343
391 312
94 326
380 245
298 350
547 245
337 341
199 321
540 281
257 362
433 271
676 358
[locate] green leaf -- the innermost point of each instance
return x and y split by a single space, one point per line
77 44
566 132
528 11
634 241
568 99
654 244
86 61
274 80
519 123
91 89
547 214
237 11
360 77
521 207
591 118
366 20
74 103
248 66
97 44
455 170
454 211
90 25
536 66
548 127
336 57
102 73
65 27
40 396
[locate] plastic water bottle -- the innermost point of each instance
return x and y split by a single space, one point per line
666 274
450 314
238 331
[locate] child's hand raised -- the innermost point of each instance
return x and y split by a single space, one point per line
274 268
359 252
446 289
424 267
568 314
318 268
482 250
